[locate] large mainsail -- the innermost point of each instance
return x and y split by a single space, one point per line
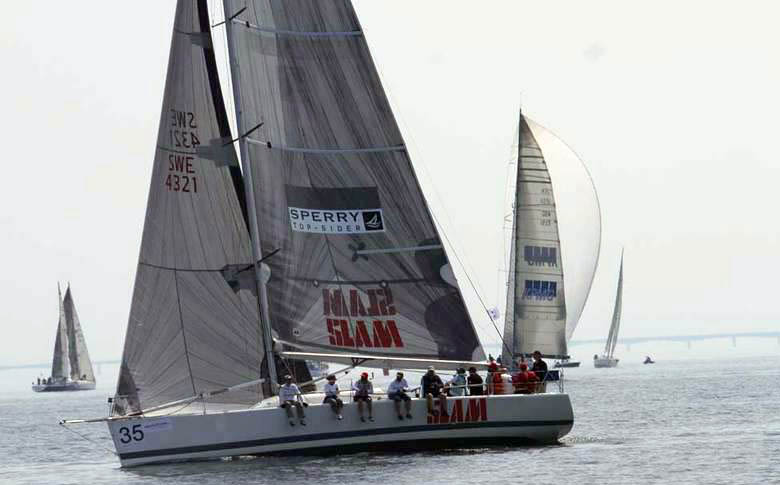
193 323
60 366
80 365
535 317
609 349
360 265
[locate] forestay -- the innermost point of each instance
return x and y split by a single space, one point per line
194 318
60 366
78 356
535 317
360 265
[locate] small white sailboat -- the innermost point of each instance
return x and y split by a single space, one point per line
71 369
607 359
320 247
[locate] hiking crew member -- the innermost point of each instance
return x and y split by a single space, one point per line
332 396
363 390
458 383
475 383
524 381
289 396
397 392
432 386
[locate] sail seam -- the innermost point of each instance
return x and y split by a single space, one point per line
394 148
298 33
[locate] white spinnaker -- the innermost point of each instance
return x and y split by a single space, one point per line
579 220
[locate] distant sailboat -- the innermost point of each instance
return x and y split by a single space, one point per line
538 315
607 359
71 368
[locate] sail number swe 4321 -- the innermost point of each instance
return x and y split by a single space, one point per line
128 434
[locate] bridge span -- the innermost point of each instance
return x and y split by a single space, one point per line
689 339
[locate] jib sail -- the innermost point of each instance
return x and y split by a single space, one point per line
194 317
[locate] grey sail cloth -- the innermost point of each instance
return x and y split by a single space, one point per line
60 366
609 349
80 365
535 317
194 323
360 265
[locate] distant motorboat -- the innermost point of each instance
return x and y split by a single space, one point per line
648 360
71 369
566 363
607 359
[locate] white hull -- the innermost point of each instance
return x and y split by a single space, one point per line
64 386
474 420
604 362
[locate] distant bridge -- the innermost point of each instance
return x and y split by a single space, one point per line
689 339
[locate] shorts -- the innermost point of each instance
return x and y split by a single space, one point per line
434 392
399 396
361 398
328 399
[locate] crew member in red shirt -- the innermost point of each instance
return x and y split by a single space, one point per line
524 381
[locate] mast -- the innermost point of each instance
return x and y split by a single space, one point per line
257 254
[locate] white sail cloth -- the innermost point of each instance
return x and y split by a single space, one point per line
614 328
194 317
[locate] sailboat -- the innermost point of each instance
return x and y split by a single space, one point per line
607 359
537 317
71 369
319 246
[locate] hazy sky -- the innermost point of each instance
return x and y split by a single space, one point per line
673 106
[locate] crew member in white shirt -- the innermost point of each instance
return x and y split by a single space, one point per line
332 396
289 396
397 392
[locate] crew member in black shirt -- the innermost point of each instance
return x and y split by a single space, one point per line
475 383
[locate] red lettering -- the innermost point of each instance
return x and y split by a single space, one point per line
373 308
348 341
356 308
361 334
331 332
456 415
333 303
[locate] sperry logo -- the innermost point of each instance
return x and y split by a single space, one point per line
463 411
342 221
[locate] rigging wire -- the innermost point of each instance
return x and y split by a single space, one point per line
407 133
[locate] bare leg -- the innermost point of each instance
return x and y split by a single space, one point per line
397 406
429 398
360 409
370 412
408 405
288 411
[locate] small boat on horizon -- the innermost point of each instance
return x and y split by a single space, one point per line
71 369
607 359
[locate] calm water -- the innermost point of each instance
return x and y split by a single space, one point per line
673 422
